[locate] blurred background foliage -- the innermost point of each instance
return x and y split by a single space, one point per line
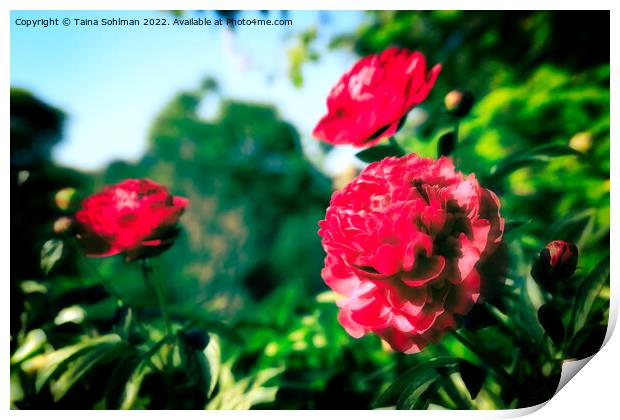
249 254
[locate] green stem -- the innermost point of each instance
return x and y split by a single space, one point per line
502 323
106 283
394 143
159 291
157 284
456 142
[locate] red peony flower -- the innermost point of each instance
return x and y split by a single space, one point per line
137 217
369 101
403 241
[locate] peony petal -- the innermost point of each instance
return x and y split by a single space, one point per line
373 315
425 270
353 329
387 259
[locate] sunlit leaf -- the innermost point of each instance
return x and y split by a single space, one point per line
245 393
59 358
82 365
119 377
33 342
201 359
134 382
75 314
51 254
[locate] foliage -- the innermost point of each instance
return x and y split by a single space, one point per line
252 323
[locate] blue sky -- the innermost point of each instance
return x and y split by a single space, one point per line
112 81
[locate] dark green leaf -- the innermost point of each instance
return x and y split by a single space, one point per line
446 144
587 342
539 154
119 377
403 381
377 153
575 227
134 382
552 323
201 362
201 319
473 377
412 396
589 289
514 225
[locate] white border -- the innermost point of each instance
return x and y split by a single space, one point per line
593 394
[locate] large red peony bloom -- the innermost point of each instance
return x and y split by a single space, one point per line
137 217
403 241
370 100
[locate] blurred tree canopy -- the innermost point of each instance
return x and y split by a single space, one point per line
254 199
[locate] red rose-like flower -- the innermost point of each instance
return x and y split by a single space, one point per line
137 217
370 100
403 241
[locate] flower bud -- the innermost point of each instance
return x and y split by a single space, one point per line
557 261
67 199
458 102
62 225
581 142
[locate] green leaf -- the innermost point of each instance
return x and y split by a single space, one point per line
33 342
201 319
78 314
538 154
526 312
374 154
552 323
514 225
412 398
58 359
245 393
119 377
587 342
201 364
473 377
82 365
134 382
51 254
588 290
403 381
576 227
